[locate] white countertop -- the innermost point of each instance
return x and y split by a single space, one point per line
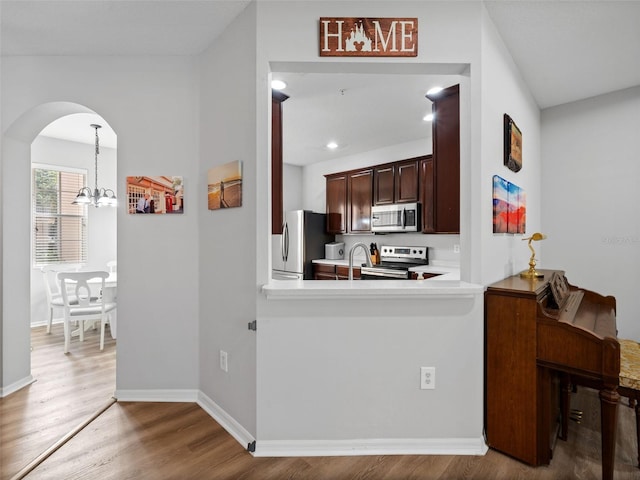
446 285
378 289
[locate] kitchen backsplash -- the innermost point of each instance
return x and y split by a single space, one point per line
441 247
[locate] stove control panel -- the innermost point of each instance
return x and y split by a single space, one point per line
404 254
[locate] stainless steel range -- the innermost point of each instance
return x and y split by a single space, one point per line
395 263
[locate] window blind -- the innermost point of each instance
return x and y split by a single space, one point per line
59 227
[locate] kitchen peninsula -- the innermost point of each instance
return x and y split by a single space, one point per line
340 362
351 353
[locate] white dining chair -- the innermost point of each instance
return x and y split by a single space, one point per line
54 297
52 288
80 307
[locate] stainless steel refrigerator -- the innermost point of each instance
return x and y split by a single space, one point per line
302 240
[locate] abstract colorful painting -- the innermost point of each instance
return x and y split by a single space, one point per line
225 186
509 207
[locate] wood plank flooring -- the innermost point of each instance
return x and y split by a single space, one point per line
68 389
180 441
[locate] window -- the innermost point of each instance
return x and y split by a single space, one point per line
59 227
135 193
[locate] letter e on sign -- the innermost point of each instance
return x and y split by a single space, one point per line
368 37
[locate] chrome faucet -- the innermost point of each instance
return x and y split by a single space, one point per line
367 257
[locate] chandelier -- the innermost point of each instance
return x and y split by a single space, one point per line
100 196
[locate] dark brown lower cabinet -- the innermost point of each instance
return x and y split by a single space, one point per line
333 272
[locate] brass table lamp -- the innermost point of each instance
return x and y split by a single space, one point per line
532 273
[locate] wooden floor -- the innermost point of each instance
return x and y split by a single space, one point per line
68 388
180 441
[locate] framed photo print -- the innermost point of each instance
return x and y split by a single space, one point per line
155 194
225 186
512 145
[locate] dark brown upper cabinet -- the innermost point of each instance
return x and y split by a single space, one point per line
384 185
336 207
276 161
349 198
440 176
360 196
396 182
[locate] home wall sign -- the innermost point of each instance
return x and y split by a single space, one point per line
368 37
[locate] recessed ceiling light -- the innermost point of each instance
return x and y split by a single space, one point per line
332 145
278 85
428 117
434 90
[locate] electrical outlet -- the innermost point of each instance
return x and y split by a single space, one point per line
224 365
456 248
427 378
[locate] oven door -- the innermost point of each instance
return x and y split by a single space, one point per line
373 273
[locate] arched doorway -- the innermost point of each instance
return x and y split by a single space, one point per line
18 268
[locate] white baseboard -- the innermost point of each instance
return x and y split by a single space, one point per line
226 421
310 448
15 386
42 323
334 448
190 396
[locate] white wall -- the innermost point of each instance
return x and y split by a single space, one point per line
102 227
342 377
292 187
2 351
227 254
151 103
329 357
590 211
503 90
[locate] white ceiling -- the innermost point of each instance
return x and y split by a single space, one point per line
571 50
114 27
360 112
77 128
566 51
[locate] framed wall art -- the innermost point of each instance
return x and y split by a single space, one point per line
512 145
509 207
155 195
225 186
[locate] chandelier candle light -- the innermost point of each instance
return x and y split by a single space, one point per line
100 196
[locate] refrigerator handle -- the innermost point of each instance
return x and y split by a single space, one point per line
285 242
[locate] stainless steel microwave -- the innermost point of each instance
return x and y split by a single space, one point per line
398 217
